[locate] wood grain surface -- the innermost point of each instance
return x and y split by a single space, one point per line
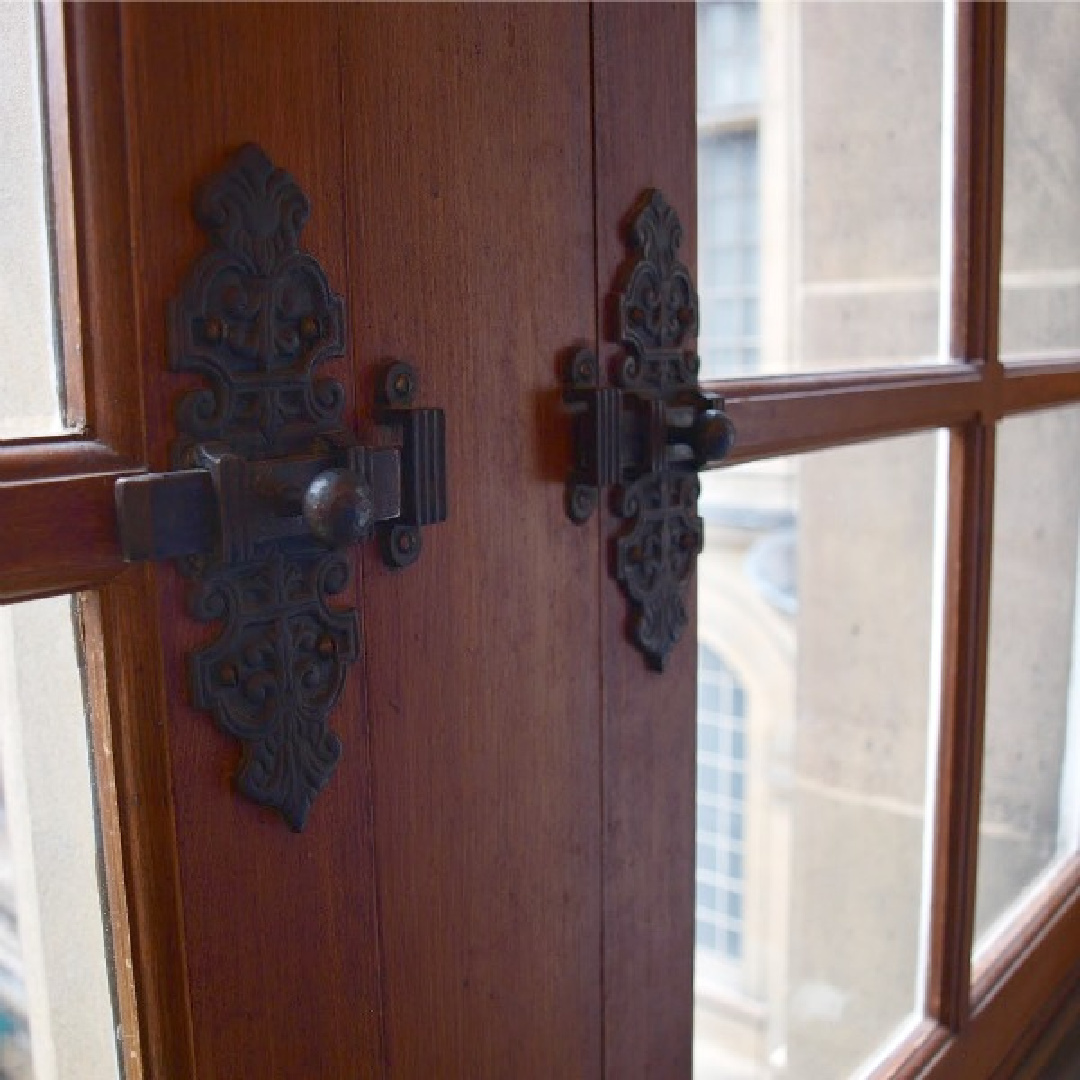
976 279
280 938
470 224
645 138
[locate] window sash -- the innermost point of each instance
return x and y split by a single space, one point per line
777 416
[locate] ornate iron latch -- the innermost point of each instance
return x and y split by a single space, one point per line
269 486
648 435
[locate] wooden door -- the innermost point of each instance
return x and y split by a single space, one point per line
497 880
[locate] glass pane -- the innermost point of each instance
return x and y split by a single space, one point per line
819 184
56 1015
1040 283
29 396
1031 798
816 613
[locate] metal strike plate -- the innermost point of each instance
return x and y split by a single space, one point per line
269 487
646 437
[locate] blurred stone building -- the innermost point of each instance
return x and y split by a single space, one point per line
821 246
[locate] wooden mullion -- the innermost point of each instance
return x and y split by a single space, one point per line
977 198
959 771
974 338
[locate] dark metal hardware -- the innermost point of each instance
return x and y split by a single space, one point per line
647 436
269 487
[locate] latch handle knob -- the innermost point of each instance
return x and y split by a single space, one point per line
339 507
712 437
269 483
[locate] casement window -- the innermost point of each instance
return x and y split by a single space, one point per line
891 553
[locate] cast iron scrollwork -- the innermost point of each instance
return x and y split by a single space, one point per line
270 486
648 435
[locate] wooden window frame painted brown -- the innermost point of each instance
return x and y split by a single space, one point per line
982 1018
48 482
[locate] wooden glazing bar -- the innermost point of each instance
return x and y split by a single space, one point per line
977 192
1040 384
42 554
793 415
57 458
975 295
967 583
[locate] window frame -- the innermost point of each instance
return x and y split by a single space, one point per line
983 1015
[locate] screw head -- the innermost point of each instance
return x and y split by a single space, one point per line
213 330
399 385
309 328
228 675
400 545
326 647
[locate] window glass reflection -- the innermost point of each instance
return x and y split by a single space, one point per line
820 178
1030 811
816 614
29 354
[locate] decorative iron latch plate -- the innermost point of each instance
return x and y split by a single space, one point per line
647 436
269 487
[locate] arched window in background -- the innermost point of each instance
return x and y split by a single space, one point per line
721 810
729 234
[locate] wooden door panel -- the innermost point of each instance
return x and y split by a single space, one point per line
645 137
440 915
279 929
470 223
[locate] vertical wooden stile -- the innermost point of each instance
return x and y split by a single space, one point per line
980 117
